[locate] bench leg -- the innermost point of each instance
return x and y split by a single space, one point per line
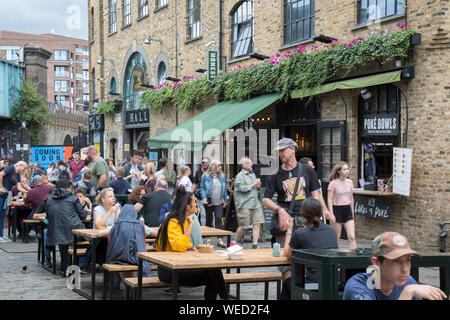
54 259
111 285
105 282
39 250
127 292
266 290
278 289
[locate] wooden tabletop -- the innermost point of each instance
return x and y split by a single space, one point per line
375 193
196 260
90 233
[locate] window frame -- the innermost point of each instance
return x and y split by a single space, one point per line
143 8
241 26
190 16
161 3
288 24
57 57
60 86
158 73
362 19
126 13
112 19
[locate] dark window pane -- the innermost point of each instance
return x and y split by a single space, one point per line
306 33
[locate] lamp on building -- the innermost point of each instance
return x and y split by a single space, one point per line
200 70
146 85
258 56
366 94
150 39
102 80
172 79
102 59
111 93
324 39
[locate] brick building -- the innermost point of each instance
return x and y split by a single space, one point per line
328 129
67 73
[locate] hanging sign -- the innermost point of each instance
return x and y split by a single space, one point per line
213 66
381 124
47 154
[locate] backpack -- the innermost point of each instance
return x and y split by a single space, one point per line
63 174
77 177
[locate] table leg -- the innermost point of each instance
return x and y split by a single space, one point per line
175 285
14 225
75 249
444 279
94 258
140 267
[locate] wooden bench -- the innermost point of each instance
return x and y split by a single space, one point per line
26 227
108 275
229 278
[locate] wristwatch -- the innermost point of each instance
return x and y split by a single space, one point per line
277 209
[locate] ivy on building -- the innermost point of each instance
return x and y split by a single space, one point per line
297 69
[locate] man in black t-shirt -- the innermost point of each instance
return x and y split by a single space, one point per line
151 203
283 184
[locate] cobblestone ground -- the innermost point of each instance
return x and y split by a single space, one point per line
36 283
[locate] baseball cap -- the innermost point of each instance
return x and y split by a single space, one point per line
391 245
37 179
285 143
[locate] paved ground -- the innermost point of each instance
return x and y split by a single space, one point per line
36 283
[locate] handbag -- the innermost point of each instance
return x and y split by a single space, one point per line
275 222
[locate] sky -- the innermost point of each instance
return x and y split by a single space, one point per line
61 17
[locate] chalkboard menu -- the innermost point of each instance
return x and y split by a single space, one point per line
373 207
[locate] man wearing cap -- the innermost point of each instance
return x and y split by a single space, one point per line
392 281
283 184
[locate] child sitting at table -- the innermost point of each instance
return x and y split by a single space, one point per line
86 204
174 235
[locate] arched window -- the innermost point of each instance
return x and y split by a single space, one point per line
113 86
242 30
135 74
162 73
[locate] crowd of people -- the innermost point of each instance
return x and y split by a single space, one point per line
178 203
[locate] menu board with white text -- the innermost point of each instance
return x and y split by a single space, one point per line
402 171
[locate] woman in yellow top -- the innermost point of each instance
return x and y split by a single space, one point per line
174 235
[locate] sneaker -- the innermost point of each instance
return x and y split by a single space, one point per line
3 240
48 264
83 270
7 239
255 246
170 292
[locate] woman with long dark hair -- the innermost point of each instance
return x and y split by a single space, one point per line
315 235
174 235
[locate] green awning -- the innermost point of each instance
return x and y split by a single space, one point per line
362 82
197 131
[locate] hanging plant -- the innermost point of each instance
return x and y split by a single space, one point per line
297 69
109 105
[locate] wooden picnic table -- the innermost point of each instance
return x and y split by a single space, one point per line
96 234
19 203
188 260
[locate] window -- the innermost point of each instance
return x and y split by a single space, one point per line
85 97
85 50
143 8
242 30
298 20
12 55
61 85
162 73
161 3
61 72
370 10
62 101
85 74
384 99
112 16
194 19
113 86
126 12
135 74
332 146
60 55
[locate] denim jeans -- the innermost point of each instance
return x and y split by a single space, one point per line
2 215
34 226
82 262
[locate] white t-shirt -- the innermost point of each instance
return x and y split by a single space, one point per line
187 182
102 212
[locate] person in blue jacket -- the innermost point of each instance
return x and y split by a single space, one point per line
213 189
